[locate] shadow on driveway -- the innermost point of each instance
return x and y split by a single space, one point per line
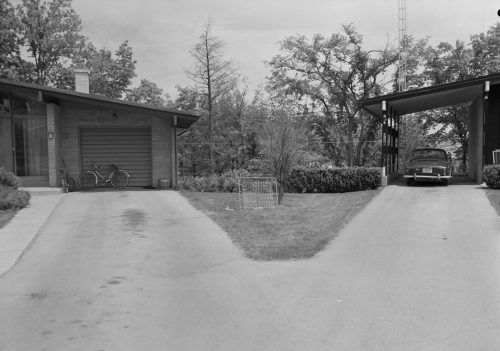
456 180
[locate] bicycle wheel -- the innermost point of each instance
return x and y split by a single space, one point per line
87 180
119 179
64 185
71 184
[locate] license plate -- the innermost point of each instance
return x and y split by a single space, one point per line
426 170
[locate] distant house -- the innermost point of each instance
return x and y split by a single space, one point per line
41 126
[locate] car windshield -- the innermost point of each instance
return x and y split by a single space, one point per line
429 154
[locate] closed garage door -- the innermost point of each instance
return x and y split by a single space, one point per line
128 148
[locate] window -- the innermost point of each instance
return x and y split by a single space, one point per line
429 154
25 132
30 134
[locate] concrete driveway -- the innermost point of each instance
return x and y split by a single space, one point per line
418 269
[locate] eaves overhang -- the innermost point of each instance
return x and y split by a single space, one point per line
53 95
432 97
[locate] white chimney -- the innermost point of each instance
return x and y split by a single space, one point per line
82 80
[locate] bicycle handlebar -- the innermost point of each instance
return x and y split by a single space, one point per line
112 167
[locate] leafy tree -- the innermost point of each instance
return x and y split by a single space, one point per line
110 75
237 122
446 63
10 59
486 52
327 77
51 31
415 62
213 75
149 93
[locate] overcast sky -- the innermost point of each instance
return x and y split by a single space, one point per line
161 32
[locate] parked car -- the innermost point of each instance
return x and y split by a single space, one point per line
428 164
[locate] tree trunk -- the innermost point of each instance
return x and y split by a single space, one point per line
465 151
281 192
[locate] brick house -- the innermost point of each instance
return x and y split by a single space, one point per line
41 126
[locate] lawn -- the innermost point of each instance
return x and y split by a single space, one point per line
6 216
494 197
302 226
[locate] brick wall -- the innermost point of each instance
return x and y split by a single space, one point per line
53 145
76 115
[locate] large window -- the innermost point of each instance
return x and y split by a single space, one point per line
24 142
6 157
30 133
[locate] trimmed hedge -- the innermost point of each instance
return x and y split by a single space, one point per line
10 195
491 176
301 180
224 183
334 180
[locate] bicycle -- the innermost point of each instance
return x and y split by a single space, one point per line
67 182
118 178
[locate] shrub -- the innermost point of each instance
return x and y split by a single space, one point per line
11 197
8 179
491 176
334 180
226 182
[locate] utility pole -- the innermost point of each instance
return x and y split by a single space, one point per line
403 46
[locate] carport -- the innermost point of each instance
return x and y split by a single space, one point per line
483 96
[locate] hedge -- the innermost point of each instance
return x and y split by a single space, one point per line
334 180
10 195
491 176
224 183
301 180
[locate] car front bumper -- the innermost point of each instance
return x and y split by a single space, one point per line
422 176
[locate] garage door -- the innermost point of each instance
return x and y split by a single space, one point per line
128 148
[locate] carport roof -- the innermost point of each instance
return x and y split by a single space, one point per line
428 98
48 94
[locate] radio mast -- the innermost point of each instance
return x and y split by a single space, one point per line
403 46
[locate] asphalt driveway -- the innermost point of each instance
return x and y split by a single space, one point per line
418 269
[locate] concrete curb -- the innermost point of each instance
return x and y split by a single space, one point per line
23 229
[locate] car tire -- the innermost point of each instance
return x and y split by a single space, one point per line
445 182
410 181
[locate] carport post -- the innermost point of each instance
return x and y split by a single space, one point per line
384 142
486 92
174 152
384 134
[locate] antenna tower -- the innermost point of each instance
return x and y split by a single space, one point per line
403 46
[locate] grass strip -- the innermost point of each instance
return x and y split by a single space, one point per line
301 227
494 197
6 216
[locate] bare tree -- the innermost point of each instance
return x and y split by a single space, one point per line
282 141
214 76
